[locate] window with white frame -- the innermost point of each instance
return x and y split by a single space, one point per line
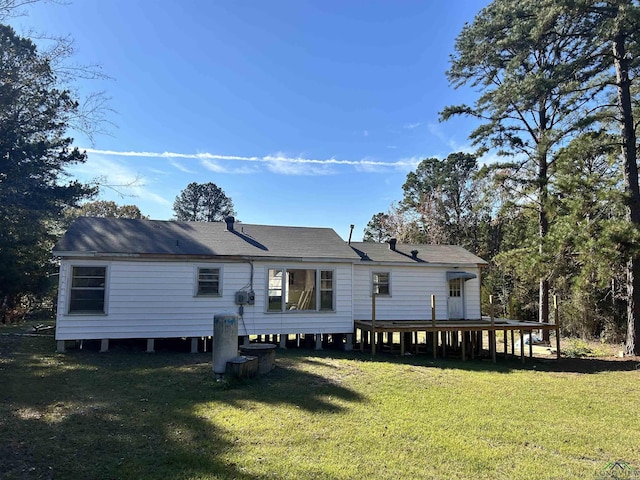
300 289
87 294
208 281
326 290
381 283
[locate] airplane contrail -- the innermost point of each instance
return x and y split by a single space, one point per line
264 159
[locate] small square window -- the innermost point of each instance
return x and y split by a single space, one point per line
381 283
208 281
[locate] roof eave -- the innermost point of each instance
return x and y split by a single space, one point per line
192 257
420 264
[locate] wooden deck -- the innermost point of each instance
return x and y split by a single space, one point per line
465 336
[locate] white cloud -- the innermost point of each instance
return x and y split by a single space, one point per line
213 166
117 177
297 166
436 130
181 167
409 163
402 165
365 133
411 126
158 171
149 195
217 168
277 163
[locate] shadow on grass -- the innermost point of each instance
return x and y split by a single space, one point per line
511 363
128 414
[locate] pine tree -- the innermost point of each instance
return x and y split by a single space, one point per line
34 153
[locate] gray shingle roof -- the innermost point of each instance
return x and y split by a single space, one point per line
155 237
446 254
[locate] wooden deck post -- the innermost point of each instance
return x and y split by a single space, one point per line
464 341
522 345
474 341
556 318
513 343
504 333
433 324
373 323
492 334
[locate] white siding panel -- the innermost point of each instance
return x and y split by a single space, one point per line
472 296
411 290
156 300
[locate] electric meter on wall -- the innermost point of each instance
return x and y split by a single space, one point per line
242 298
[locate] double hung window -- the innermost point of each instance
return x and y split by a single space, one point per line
381 283
87 293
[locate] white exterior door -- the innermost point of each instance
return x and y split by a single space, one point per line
456 299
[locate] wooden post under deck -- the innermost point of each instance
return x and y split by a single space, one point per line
373 323
492 333
472 337
556 317
505 343
433 324
466 335
513 343
464 341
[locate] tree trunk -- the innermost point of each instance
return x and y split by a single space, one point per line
543 224
630 171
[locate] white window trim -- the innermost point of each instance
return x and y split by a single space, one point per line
333 290
372 284
69 279
196 279
284 269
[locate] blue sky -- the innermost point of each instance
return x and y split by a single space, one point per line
304 113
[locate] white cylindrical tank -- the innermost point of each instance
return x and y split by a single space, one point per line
225 341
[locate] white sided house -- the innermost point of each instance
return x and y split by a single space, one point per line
148 279
123 278
404 276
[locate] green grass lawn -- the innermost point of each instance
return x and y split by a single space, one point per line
325 415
